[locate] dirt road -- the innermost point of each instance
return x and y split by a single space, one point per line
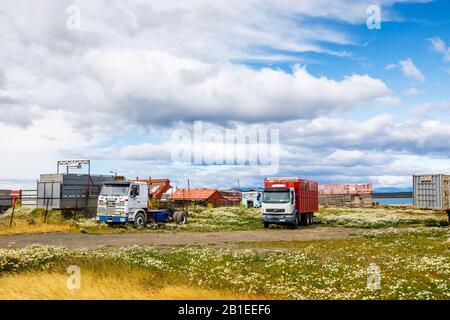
168 239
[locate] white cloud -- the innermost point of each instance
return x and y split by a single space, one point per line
26 152
439 46
391 66
429 110
412 92
410 70
155 87
143 66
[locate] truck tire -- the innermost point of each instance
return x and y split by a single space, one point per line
175 215
296 223
311 220
180 218
140 220
266 225
303 219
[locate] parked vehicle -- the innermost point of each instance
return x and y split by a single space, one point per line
252 199
291 201
131 202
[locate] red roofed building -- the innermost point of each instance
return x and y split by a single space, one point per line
199 196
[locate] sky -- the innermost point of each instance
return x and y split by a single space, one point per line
352 99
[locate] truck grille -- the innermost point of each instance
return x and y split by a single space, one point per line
275 210
110 208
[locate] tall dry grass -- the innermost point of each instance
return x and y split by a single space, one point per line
22 226
107 282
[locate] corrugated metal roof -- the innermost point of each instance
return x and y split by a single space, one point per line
231 195
193 194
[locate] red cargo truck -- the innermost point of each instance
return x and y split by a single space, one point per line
289 201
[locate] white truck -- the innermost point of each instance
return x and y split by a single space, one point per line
129 202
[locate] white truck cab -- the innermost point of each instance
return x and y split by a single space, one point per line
122 201
278 205
128 201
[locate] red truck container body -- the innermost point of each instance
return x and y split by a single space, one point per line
306 192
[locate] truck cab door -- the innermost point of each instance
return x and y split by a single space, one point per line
134 197
293 200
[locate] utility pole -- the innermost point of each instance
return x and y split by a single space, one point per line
189 185
239 188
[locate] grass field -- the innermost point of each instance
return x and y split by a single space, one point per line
413 265
227 219
380 217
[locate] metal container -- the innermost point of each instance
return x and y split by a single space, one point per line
5 200
432 191
307 196
70 191
348 189
28 198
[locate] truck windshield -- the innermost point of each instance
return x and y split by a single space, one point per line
280 197
115 190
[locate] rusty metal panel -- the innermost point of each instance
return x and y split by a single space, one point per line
349 189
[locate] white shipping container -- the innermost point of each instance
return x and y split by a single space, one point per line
432 191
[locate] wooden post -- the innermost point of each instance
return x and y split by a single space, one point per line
76 208
12 213
46 210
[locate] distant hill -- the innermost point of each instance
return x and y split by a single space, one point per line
247 188
392 189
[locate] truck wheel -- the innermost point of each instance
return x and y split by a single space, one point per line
266 225
175 215
311 220
296 222
304 219
308 217
140 220
181 218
